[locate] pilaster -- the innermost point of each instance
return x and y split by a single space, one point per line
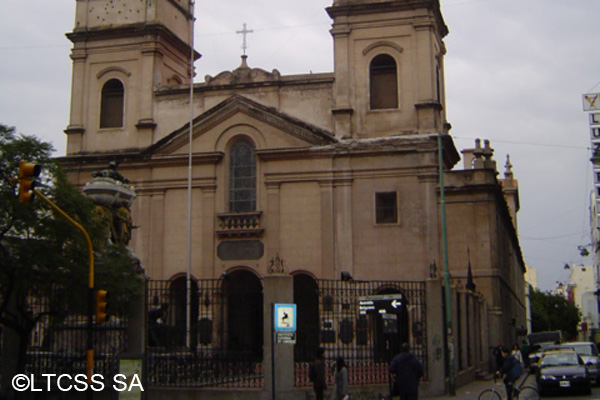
273 216
277 288
327 235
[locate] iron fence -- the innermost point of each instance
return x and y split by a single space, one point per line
217 351
211 353
366 340
58 344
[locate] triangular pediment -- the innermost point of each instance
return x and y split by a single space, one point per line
299 132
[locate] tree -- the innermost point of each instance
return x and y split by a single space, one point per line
551 312
43 255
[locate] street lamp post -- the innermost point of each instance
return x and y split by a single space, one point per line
449 335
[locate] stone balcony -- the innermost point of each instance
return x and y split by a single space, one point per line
239 224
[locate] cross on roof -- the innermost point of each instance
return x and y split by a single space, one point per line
244 32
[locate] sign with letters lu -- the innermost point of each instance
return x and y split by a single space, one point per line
591 102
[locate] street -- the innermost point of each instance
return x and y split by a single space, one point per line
595 395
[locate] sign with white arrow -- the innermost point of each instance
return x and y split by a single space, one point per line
381 303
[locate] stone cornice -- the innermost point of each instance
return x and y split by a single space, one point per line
135 160
282 81
358 7
80 35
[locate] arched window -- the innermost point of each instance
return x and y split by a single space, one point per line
242 177
383 82
111 106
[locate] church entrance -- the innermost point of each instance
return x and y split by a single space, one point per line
306 298
244 314
391 329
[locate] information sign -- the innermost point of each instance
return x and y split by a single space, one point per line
381 304
285 318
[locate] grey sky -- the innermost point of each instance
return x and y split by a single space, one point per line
515 73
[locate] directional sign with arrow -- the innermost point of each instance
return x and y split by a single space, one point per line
381 304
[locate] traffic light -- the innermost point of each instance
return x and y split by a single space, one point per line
27 174
101 299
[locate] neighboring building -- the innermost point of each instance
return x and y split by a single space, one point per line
531 281
589 105
317 189
581 290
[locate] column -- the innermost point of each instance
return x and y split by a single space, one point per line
277 288
435 336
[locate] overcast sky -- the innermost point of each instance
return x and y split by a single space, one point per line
515 74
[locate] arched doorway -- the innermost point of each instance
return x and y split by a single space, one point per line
306 298
391 329
244 314
178 314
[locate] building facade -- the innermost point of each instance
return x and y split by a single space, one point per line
301 180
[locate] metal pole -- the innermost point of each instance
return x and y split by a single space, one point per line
188 275
90 327
273 349
449 336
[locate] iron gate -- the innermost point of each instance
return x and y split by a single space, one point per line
367 342
223 347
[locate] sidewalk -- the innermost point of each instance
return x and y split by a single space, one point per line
472 390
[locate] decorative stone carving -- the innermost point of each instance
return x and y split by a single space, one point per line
113 197
242 75
276 265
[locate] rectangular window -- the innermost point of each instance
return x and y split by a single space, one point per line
386 208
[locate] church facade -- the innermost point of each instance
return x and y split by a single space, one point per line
307 180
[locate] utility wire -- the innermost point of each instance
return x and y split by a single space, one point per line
563 146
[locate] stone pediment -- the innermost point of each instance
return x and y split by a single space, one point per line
305 132
242 75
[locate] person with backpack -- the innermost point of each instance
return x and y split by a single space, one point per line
511 368
316 373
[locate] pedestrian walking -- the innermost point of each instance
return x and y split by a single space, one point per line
497 353
407 372
341 379
516 353
316 374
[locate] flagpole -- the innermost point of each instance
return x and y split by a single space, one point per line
188 277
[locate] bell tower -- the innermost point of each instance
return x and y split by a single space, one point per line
389 70
122 51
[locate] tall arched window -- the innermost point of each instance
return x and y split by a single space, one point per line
242 177
111 106
383 76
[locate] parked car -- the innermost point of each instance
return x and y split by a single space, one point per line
589 353
562 371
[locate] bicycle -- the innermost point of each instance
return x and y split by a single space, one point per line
519 392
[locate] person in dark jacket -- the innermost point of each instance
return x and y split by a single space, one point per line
408 371
497 353
318 374
511 367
